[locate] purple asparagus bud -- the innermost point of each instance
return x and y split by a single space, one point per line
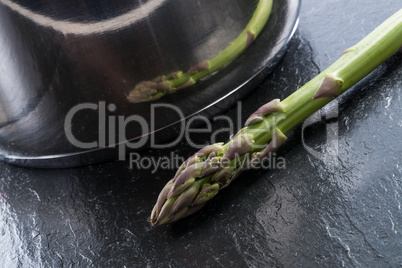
209 150
232 137
235 174
186 198
208 192
149 90
165 212
274 106
277 140
211 165
174 75
181 188
189 83
223 176
189 172
203 66
346 51
163 196
241 145
250 38
330 87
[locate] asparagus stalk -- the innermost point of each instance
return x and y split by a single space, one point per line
214 167
162 85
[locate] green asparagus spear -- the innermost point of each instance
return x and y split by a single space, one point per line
214 167
162 85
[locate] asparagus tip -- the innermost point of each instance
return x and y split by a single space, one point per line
188 173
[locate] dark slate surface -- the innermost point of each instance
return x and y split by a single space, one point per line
311 214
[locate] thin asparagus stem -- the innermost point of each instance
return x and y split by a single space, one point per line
213 168
160 86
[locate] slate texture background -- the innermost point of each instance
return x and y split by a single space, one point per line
311 214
